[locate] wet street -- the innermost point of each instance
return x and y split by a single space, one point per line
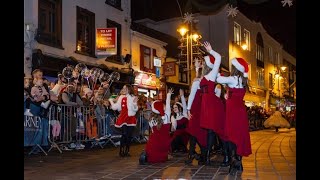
273 157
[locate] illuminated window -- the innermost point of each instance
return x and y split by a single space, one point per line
260 75
237 33
270 54
246 35
85 32
270 80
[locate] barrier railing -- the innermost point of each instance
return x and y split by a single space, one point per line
77 124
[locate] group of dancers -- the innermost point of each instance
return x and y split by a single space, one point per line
215 108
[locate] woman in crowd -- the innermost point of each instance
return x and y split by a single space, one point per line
236 127
126 104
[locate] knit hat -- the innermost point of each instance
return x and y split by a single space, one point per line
241 65
209 61
157 107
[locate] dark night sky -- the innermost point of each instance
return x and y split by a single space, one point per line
279 22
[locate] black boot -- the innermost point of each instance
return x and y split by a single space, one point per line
202 159
234 162
121 152
240 168
226 157
208 157
126 151
192 153
122 144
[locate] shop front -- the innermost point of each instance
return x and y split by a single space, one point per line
255 97
149 85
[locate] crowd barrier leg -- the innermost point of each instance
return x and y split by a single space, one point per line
35 147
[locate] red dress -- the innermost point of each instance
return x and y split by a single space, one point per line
194 128
212 114
182 131
237 124
158 145
123 118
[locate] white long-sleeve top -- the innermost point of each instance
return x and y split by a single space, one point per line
212 75
179 116
166 117
194 87
230 81
132 106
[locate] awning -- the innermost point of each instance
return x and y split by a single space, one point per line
50 65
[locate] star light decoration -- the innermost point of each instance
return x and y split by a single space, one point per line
188 18
233 11
285 2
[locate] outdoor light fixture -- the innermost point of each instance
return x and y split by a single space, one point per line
243 44
182 30
189 48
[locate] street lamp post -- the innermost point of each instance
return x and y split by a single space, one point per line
189 48
278 75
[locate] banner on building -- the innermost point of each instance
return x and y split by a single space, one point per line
106 41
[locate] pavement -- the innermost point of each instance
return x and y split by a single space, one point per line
273 157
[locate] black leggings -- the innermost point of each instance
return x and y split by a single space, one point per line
126 135
211 139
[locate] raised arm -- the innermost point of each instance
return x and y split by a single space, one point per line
184 103
168 107
212 75
192 94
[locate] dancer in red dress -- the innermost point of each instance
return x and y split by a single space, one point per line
158 145
126 104
179 121
237 124
211 112
197 135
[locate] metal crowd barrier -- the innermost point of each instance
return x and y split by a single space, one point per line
87 124
77 124
143 126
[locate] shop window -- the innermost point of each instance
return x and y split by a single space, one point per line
50 23
85 32
147 55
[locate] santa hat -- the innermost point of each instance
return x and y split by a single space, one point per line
157 107
241 65
209 61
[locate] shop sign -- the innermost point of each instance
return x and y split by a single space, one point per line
146 80
106 41
157 62
169 69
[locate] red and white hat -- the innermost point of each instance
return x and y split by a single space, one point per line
241 65
157 107
209 61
